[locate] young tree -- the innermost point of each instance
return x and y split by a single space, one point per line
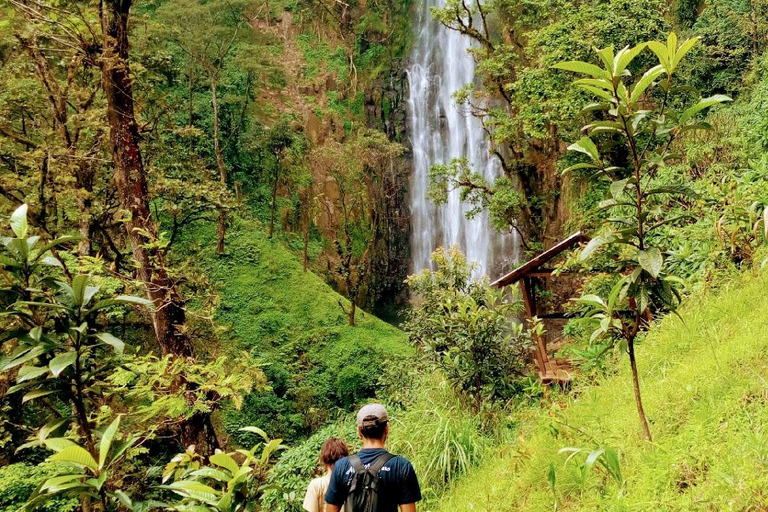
638 115
130 178
209 34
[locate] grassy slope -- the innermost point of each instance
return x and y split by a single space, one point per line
706 396
292 320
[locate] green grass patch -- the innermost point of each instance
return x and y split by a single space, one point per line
292 322
705 390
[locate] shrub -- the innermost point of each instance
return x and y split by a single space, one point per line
467 329
298 465
18 481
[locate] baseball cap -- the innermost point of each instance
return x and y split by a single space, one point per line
372 412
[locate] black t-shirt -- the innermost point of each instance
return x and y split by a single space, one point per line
397 474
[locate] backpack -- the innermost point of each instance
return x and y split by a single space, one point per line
364 491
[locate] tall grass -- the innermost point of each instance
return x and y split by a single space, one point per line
441 437
706 383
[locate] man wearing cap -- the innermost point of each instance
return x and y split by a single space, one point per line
401 487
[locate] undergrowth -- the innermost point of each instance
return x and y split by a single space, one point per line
705 381
293 324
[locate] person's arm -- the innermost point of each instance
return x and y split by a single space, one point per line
408 507
311 498
333 508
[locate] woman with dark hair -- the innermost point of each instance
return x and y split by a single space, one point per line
333 449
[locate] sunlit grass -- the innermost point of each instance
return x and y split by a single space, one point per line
705 384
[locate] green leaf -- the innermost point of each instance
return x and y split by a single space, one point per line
256 430
579 166
593 456
121 300
76 455
30 372
651 260
112 341
79 288
225 461
625 57
601 83
701 105
54 243
597 92
684 49
583 68
106 441
645 81
661 52
617 188
586 146
594 244
194 490
59 363
19 221
38 393
58 444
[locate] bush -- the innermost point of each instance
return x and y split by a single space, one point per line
298 465
17 481
467 329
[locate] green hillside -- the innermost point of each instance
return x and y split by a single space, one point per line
706 396
292 322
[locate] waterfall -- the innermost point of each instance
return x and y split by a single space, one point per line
440 131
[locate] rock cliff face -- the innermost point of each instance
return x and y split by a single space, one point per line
332 99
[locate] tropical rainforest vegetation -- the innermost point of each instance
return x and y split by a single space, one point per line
205 224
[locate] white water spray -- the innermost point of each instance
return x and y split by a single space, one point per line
440 131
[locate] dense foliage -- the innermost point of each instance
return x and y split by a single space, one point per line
203 201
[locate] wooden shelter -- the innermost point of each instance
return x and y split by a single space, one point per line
550 369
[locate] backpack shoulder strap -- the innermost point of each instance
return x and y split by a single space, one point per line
356 463
379 463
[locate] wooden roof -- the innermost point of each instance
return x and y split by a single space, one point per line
538 261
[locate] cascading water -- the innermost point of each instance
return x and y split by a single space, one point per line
439 132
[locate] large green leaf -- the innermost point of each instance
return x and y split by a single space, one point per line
701 105
121 300
625 57
225 461
196 490
60 363
19 221
106 441
76 455
54 243
645 81
586 146
25 355
79 289
582 67
684 49
594 244
58 444
38 393
112 341
651 260
662 53
29 372
260 432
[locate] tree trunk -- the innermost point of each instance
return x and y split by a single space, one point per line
638 398
274 203
219 163
130 180
305 255
352 308
84 222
